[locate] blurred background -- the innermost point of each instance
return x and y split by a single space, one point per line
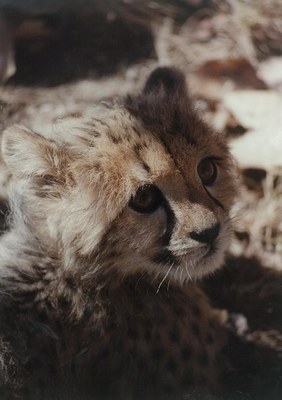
60 56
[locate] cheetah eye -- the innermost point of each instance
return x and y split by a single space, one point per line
147 199
207 171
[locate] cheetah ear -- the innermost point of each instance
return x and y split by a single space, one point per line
164 104
166 80
28 154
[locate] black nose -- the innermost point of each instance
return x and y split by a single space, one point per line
207 236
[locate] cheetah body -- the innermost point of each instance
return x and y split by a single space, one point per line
114 218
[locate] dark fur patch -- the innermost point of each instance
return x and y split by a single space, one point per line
115 139
179 311
137 149
196 311
136 131
170 223
195 329
101 122
88 142
209 339
174 334
171 365
95 134
157 353
186 353
148 336
97 167
132 333
114 254
164 106
188 379
70 282
203 359
202 380
163 77
75 115
164 257
146 166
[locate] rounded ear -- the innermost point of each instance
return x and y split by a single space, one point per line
28 154
164 104
167 79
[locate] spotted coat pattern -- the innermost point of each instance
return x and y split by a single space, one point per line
115 216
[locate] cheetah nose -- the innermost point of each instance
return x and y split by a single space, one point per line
207 235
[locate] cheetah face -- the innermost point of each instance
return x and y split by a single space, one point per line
144 186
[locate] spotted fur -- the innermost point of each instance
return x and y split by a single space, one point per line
105 297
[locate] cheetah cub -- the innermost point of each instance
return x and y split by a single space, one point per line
113 220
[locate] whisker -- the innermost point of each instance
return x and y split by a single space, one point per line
168 283
177 269
188 273
164 278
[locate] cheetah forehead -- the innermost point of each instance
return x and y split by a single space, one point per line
118 144
112 139
158 127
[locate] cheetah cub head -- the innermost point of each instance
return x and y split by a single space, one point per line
141 186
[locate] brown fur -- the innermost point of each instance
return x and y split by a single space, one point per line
105 296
